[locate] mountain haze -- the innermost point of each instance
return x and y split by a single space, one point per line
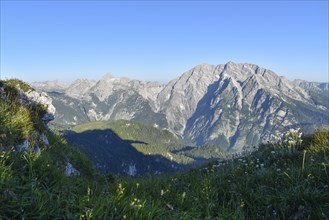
231 105
314 86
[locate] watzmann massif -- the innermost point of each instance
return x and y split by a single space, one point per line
231 105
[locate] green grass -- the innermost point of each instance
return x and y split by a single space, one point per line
271 183
18 122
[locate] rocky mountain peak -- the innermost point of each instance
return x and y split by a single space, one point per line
107 76
79 88
203 67
231 65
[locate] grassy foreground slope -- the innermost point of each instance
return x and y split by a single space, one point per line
287 180
275 182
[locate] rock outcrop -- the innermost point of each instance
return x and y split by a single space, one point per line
33 98
70 170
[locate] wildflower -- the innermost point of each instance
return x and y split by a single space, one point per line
274 213
120 190
262 165
170 206
278 170
293 137
272 152
88 213
257 166
183 195
300 135
136 203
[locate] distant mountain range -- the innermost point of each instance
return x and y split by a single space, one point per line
231 105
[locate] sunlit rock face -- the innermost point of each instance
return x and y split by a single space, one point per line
232 105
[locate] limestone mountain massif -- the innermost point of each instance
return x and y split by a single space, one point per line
231 105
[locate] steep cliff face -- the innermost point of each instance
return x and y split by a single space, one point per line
232 105
179 99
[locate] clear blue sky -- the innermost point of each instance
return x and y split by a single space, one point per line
160 40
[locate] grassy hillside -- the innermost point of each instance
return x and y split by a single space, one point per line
114 146
17 122
30 179
162 141
276 182
285 180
